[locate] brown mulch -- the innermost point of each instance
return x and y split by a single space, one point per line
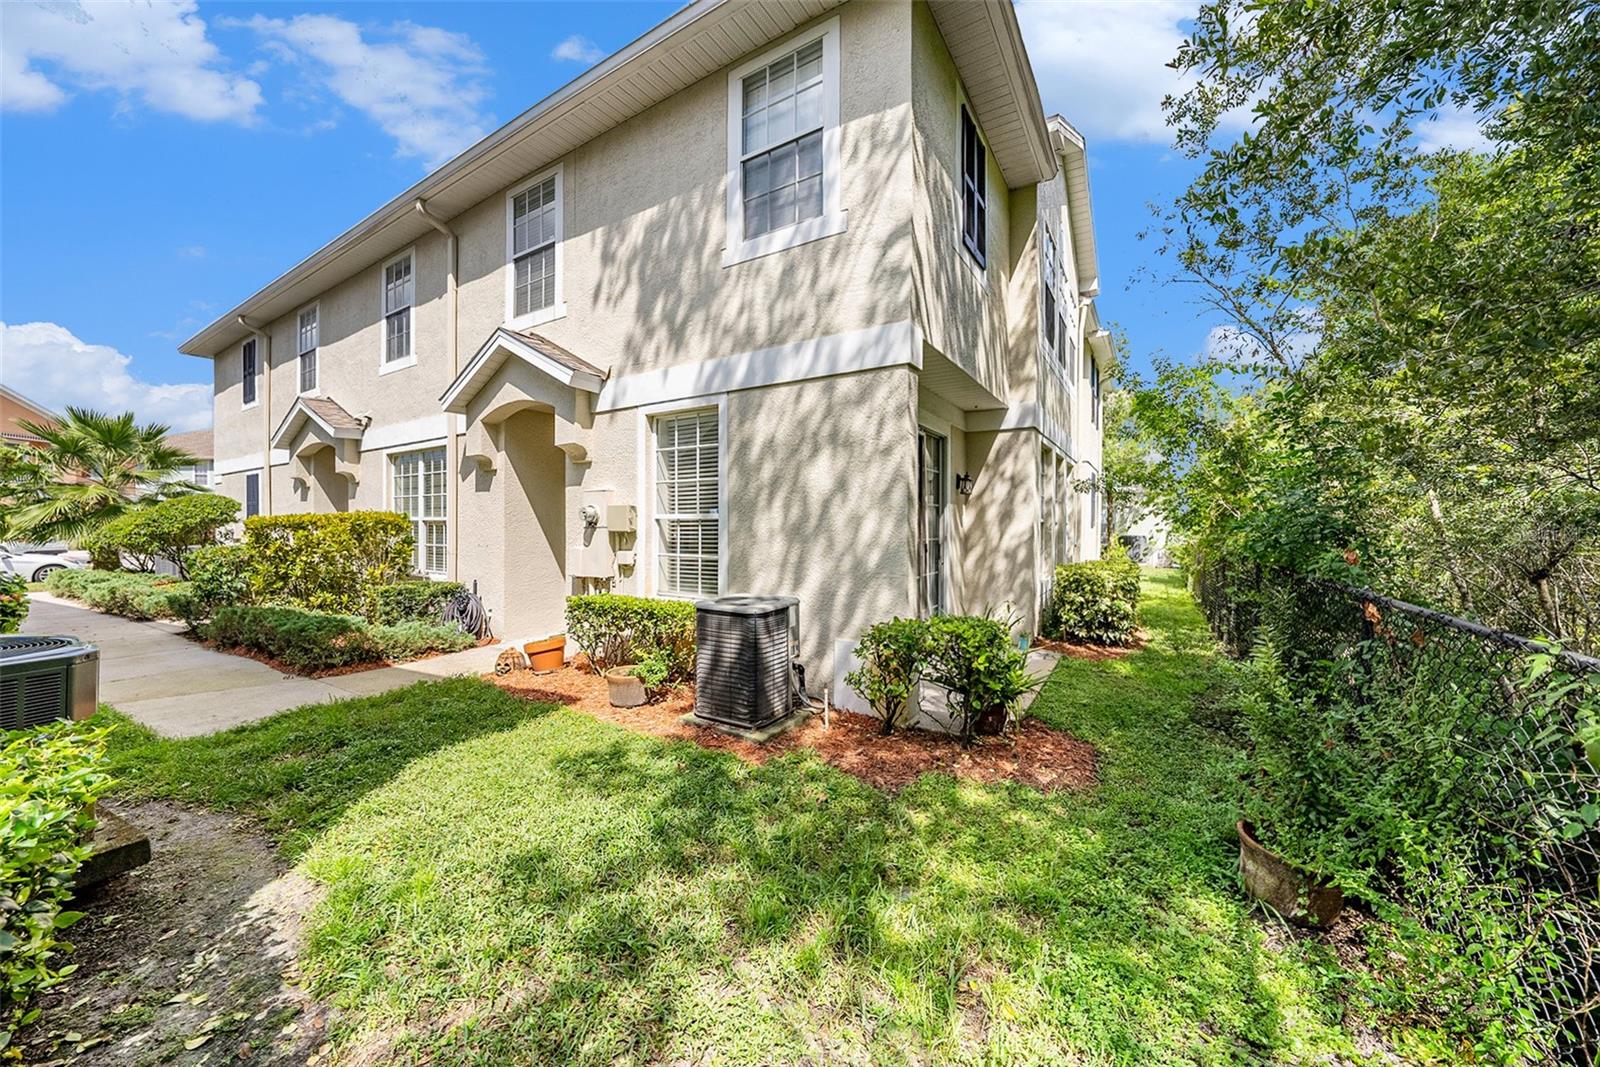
1035 755
331 672
1092 651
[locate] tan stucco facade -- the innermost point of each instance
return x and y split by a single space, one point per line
822 361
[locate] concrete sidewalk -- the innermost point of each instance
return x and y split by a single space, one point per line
150 672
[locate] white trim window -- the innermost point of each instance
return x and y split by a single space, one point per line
533 251
933 497
974 190
252 494
1094 390
248 371
399 294
306 339
688 490
1049 285
783 146
419 493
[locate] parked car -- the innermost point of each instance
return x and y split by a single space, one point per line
34 562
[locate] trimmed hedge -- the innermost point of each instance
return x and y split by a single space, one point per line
51 774
611 629
169 529
1096 601
327 562
413 600
13 602
317 641
134 595
219 576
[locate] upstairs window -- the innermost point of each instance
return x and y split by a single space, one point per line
306 346
974 190
688 480
535 229
247 370
783 147
399 293
1094 390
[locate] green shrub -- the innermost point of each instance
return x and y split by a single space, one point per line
611 629
130 594
300 640
652 671
13 602
1095 601
329 562
413 600
50 776
413 638
976 659
219 575
168 529
893 656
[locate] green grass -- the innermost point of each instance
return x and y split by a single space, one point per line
514 884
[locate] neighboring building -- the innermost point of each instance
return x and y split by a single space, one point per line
198 444
789 298
14 410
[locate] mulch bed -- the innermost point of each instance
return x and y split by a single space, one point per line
1090 651
1035 755
332 672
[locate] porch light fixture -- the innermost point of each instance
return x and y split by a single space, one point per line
964 484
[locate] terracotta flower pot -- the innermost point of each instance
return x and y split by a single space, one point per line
1293 893
623 687
546 655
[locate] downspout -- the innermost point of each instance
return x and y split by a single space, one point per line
453 453
264 368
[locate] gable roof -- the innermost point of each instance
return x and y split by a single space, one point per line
195 442
325 412
538 351
703 38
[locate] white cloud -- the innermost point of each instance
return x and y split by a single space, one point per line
1103 63
1454 128
156 53
48 363
192 252
423 86
1229 344
576 49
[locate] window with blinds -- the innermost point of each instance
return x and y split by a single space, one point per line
420 495
399 293
533 248
781 157
306 346
687 515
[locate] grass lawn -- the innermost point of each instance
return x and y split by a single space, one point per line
517 883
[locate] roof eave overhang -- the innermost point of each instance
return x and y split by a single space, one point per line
502 344
1073 150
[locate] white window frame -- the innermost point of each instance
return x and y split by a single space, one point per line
254 344
558 309
944 432
979 261
833 220
410 359
316 384
647 482
419 549
244 502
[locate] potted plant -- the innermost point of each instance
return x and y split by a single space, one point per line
624 687
1295 894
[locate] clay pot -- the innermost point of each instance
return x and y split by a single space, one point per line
1293 893
623 687
991 722
546 655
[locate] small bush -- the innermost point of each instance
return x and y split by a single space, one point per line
1095 601
327 562
893 656
169 529
219 575
51 774
301 640
413 638
976 659
414 600
652 671
612 629
13 602
129 594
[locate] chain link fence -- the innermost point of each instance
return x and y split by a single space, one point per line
1456 773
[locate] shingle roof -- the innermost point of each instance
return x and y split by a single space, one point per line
561 355
195 442
329 411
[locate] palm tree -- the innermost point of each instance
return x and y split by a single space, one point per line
98 466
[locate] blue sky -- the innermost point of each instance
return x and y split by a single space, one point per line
159 162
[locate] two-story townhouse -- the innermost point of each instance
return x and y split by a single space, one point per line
790 297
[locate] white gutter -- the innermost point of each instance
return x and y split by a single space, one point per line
264 368
452 346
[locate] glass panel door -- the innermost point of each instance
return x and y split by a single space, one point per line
932 461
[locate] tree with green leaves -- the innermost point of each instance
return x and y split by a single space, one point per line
95 467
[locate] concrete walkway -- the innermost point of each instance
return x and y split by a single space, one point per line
150 672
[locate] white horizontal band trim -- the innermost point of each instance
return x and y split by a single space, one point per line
890 345
236 464
427 428
1025 416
